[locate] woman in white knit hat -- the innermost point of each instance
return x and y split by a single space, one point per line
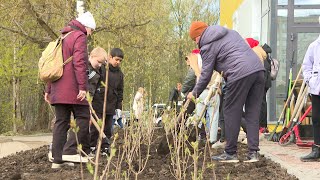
68 93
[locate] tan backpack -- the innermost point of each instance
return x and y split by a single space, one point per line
51 62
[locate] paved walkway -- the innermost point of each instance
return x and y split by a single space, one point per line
287 156
12 144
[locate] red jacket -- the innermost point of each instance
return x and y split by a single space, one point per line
74 78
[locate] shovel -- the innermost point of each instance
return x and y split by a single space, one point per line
284 108
297 109
288 138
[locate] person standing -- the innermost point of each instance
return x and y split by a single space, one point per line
69 92
311 70
187 86
224 50
175 96
210 103
114 99
138 103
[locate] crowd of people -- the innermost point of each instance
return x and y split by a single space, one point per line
241 65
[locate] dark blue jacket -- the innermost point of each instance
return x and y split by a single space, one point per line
224 50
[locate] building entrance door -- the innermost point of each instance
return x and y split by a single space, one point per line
297 25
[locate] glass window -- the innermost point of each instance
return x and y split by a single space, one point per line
281 80
306 2
304 40
283 2
265 29
306 15
265 7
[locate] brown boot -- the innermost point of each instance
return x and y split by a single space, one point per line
313 156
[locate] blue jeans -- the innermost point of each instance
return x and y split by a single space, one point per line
211 116
119 121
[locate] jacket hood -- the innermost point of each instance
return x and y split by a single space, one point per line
76 24
211 34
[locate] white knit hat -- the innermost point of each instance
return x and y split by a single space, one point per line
87 20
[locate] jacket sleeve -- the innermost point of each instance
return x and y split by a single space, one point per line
120 93
80 60
171 96
208 62
307 65
93 80
189 81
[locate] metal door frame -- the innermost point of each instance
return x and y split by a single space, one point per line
292 31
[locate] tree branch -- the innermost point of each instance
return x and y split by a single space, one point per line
41 22
32 39
107 29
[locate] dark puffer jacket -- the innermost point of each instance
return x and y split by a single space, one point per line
189 81
224 50
115 89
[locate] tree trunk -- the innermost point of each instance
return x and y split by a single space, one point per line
15 91
14 96
80 7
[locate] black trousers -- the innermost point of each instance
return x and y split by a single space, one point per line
248 91
263 111
61 126
94 133
316 118
221 118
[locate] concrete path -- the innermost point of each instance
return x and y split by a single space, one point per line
289 158
12 144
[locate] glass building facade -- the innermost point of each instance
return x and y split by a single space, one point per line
288 26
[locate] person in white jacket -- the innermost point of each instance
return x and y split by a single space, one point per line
138 103
311 70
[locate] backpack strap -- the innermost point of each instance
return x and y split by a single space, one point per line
68 60
71 57
64 36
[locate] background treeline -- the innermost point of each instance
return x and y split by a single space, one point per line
152 33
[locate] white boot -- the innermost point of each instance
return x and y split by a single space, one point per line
218 145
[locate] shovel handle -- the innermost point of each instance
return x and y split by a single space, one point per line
285 106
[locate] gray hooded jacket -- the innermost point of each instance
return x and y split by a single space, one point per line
224 50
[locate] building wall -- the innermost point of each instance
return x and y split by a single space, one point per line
247 19
227 9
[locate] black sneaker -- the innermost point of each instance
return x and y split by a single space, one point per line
225 157
252 157
105 152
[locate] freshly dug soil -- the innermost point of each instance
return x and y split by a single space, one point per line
34 165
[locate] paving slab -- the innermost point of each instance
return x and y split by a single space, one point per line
13 144
289 158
